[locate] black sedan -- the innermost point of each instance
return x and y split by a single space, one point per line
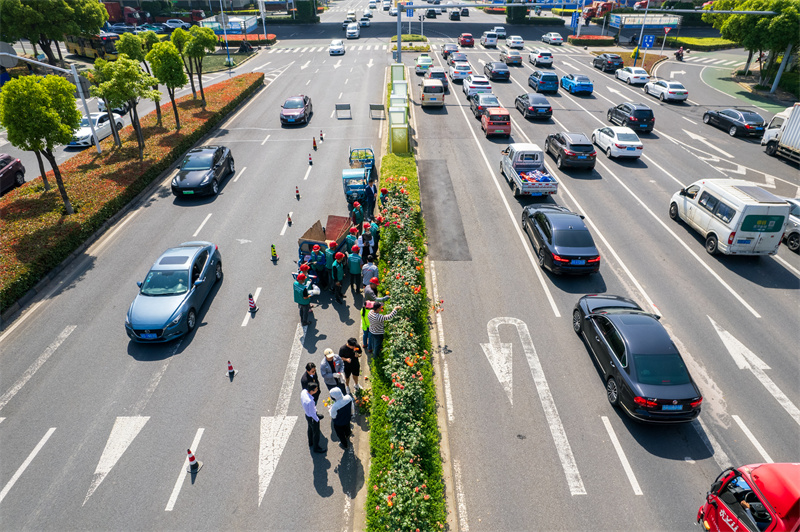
533 105
736 121
452 57
560 239
448 49
643 371
496 70
481 101
607 62
12 173
203 170
296 110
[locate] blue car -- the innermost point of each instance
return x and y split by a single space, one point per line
577 83
173 292
543 81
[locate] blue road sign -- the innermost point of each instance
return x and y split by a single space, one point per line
574 22
409 12
648 41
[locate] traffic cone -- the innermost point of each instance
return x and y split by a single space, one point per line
310 162
289 220
321 138
297 191
314 143
274 253
253 306
194 464
231 372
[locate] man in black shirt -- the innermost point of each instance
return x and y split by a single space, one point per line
349 354
308 377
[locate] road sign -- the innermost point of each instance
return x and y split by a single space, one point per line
666 29
648 41
5 60
409 12
574 22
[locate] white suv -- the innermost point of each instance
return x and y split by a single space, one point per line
489 39
175 23
540 57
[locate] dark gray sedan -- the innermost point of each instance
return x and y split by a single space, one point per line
173 292
736 121
533 105
202 170
561 240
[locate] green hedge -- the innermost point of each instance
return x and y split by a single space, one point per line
409 37
562 12
704 44
542 21
595 40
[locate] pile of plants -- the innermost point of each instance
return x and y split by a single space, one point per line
591 40
36 235
406 487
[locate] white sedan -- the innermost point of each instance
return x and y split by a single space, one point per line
632 75
476 84
336 47
102 126
393 11
515 41
460 70
553 38
666 90
617 141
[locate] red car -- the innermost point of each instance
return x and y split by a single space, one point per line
754 497
12 173
465 39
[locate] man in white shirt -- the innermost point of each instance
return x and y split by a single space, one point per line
310 408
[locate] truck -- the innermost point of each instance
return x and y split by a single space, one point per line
523 167
193 17
598 9
117 13
782 135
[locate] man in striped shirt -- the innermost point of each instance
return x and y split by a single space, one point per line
376 325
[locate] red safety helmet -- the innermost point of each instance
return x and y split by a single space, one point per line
315 247
354 229
374 280
304 267
339 255
356 204
301 277
384 191
332 244
354 249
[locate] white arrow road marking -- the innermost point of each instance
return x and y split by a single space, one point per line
305 65
752 439
249 315
338 64
26 463
243 241
746 359
182 475
36 365
615 91
369 65
122 434
275 430
621 454
695 136
672 74
499 355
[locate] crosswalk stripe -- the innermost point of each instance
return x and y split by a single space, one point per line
718 61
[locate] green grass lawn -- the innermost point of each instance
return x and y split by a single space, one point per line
216 62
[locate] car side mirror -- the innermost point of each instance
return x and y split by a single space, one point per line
715 487
139 284
199 282
682 192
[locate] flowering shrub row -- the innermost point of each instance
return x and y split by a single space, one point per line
591 40
406 487
36 236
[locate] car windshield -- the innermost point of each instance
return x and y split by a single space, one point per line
461 67
499 66
627 137
165 283
639 71
573 239
549 77
197 161
643 114
84 122
479 82
582 148
752 117
662 370
582 79
489 100
293 103
336 43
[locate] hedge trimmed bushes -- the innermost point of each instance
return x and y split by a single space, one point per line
564 12
35 237
591 40
704 44
542 21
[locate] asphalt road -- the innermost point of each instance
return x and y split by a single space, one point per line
94 429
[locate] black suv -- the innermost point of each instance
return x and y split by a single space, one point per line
636 116
440 74
607 62
455 15
496 70
571 149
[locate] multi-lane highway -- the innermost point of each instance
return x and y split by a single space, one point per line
94 429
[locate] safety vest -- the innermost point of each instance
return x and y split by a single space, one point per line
330 257
338 270
354 260
364 320
358 215
318 260
351 241
375 229
299 289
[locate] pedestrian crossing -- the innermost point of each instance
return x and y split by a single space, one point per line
434 47
711 60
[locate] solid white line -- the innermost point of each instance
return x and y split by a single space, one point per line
621 454
265 139
752 439
241 172
291 372
202 224
182 475
286 222
234 117
307 172
440 335
249 314
463 521
26 463
720 457
663 170
36 365
348 503
691 121
787 265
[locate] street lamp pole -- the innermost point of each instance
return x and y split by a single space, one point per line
224 33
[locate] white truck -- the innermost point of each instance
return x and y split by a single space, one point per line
782 135
523 167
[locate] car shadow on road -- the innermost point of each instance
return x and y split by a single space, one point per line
628 162
578 284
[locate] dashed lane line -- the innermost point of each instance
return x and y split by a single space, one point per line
202 225
752 439
242 171
25 464
182 475
622 458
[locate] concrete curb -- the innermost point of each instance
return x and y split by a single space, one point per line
43 285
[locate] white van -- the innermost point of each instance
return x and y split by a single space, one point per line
735 216
432 93
489 39
353 31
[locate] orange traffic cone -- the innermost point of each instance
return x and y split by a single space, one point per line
314 143
252 303
194 465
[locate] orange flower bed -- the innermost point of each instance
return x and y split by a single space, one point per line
36 235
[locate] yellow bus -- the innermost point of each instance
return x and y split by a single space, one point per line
93 45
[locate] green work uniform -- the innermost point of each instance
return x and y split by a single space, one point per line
300 293
338 271
317 260
354 261
358 217
351 240
330 258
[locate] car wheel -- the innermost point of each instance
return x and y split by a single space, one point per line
215 187
733 131
231 166
608 152
19 179
560 162
793 242
576 321
191 320
706 118
661 97
609 117
612 392
646 90
218 271
711 244
541 257
629 81
673 211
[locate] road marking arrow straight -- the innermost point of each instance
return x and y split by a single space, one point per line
746 359
370 63
695 136
305 65
499 355
122 435
615 91
338 64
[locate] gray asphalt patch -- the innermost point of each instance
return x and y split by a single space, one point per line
446 238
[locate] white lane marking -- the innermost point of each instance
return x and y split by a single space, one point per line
202 224
249 314
340 95
307 82
787 265
286 222
155 379
463 521
262 66
695 136
690 121
26 463
720 457
345 81
122 435
272 80
752 439
33 368
265 139
500 356
2 419
746 359
291 370
307 172
243 169
622 458
440 335
663 170
182 475
348 504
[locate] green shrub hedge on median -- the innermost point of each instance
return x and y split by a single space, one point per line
700 44
591 40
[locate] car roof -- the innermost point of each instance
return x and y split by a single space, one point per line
171 258
621 129
204 149
497 111
486 95
436 70
536 97
643 333
548 74
451 45
565 221
638 106
780 484
576 138
476 77
499 64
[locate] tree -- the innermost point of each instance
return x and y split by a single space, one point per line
168 68
782 34
133 46
98 76
201 42
45 21
180 38
745 30
40 114
130 83
516 14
